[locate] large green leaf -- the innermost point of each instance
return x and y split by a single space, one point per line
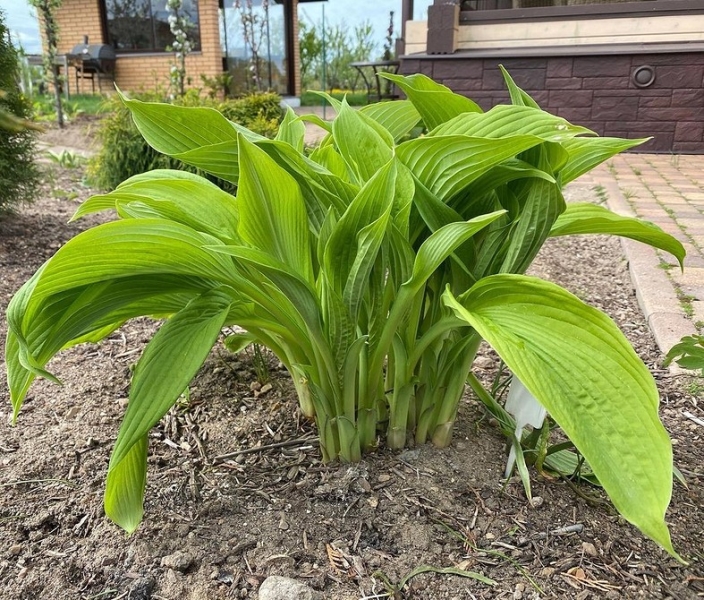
297 290
506 120
518 96
436 214
124 488
218 159
132 247
587 153
543 204
585 218
447 164
292 130
375 199
369 241
19 377
329 158
169 362
322 187
513 169
581 368
273 216
435 103
363 143
198 136
444 242
171 129
172 195
399 117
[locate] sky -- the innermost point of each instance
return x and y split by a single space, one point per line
25 30
22 23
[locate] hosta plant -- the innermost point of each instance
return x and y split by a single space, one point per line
372 268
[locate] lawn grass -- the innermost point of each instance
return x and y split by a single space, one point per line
86 104
310 98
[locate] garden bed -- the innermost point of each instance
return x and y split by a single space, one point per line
237 491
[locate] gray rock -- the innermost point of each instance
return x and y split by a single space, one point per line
178 561
284 588
142 588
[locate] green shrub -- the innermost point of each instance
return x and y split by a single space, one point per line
125 153
255 108
19 175
373 269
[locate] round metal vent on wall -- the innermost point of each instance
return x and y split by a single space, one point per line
644 76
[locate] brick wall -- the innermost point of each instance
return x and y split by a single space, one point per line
150 71
135 72
595 91
77 18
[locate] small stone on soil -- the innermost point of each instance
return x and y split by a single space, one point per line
72 412
284 588
178 561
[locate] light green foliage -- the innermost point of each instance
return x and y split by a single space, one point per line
18 173
688 353
311 51
124 152
342 47
46 10
66 159
372 269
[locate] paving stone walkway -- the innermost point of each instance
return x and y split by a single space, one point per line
667 190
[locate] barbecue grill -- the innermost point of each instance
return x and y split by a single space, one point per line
92 61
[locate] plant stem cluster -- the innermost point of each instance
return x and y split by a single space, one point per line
47 12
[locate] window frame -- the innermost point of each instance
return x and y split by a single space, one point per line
141 51
583 11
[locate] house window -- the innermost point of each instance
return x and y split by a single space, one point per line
143 25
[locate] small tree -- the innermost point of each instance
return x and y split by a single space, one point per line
18 173
47 13
388 50
311 51
180 26
345 47
254 33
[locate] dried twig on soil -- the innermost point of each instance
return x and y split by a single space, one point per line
286 444
692 418
23 481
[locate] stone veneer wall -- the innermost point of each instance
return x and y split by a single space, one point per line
596 91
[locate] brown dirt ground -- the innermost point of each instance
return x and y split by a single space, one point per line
278 510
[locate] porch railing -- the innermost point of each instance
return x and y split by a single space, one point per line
472 11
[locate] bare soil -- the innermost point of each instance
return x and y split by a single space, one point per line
237 491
